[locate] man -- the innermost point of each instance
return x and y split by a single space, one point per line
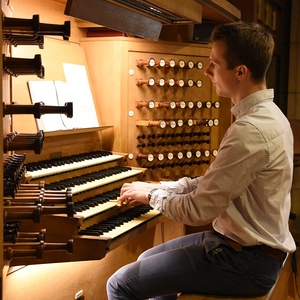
245 192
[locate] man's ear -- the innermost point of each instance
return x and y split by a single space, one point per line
241 71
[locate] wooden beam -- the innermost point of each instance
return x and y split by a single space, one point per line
114 16
216 9
190 9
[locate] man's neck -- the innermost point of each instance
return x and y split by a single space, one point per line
246 91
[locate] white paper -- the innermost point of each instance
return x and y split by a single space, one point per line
44 91
64 96
83 104
76 89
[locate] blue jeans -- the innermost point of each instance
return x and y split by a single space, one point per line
196 263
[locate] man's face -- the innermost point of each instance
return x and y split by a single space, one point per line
224 79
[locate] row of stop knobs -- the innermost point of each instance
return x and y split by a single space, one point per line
177 123
162 63
171 82
189 154
177 104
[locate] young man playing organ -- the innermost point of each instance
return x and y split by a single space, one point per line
245 192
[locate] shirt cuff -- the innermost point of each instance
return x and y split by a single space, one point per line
182 186
157 199
172 187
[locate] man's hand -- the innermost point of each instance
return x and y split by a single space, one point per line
136 193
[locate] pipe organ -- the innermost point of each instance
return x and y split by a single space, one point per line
160 120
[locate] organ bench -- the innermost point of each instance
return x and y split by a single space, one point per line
284 288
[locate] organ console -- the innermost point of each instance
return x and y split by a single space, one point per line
94 193
63 212
90 198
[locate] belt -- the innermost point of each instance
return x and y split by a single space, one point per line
275 253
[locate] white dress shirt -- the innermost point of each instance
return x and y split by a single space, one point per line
245 192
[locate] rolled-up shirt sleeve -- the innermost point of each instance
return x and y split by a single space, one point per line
198 201
182 186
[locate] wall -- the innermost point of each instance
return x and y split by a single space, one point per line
294 70
294 106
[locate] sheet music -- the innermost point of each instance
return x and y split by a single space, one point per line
76 89
44 91
84 111
63 96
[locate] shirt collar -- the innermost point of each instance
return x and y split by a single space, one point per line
245 104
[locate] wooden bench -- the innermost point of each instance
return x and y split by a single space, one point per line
284 288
